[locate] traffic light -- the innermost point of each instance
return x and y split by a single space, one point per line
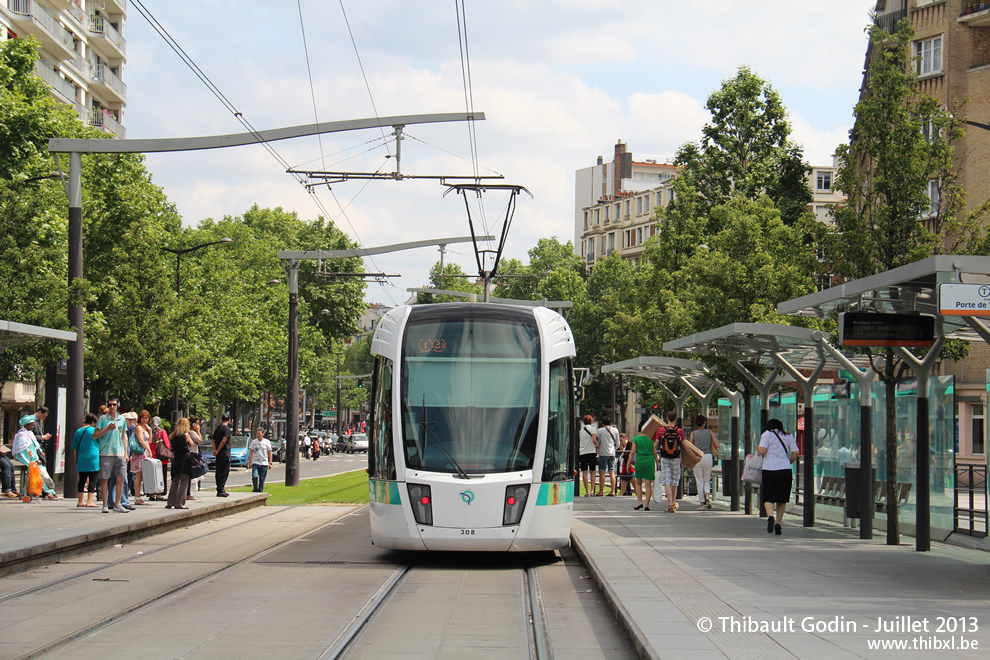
360 383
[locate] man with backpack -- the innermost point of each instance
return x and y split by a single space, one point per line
605 440
669 438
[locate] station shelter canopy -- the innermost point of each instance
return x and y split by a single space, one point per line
908 289
17 334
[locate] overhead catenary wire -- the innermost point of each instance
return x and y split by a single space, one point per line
230 107
309 73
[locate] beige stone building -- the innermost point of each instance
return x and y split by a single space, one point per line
952 59
82 53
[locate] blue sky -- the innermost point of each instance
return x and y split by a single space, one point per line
560 82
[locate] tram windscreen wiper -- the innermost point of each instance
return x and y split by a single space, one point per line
426 428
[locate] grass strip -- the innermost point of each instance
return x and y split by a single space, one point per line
347 488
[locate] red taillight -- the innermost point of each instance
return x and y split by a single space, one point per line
426 501
511 501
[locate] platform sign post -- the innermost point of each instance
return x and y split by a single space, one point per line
956 299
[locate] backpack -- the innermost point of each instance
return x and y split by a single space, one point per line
670 442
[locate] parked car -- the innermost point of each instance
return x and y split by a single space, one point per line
357 442
239 451
278 451
206 451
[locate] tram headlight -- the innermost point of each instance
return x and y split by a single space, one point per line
515 502
420 497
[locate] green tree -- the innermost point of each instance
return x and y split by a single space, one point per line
453 278
745 149
900 151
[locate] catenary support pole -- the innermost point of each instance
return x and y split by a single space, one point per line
292 397
74 407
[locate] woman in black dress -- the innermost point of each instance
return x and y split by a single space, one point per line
181 468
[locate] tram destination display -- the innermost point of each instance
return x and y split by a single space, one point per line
872 329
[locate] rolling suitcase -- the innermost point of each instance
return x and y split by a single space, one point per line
152 477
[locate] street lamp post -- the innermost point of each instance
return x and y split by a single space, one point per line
178 292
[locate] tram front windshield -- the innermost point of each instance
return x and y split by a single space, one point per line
470 395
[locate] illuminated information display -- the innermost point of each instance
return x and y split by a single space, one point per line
872 329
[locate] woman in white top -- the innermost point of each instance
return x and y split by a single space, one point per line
779 450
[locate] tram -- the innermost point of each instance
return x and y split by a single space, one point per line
471 434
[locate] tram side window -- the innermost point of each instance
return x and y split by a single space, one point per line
557 465
382 452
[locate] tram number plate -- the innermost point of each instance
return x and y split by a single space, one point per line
467 532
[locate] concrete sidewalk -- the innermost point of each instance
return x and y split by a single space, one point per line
46 531
714 584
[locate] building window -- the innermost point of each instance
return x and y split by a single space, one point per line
639 236
979 446
597 216
591 250
824 180
931 192
626 238
611 242
616 211
606 214
585 219
639 205
928 56
628 203
928 130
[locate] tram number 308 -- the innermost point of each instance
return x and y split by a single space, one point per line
467 532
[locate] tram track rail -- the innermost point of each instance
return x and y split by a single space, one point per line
90 629
123 560
538 630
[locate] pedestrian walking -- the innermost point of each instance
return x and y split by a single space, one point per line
706 441
138 435
644 456
181 468
260 457
670 438
316 448
605 441
779 450
221 452
86 451
588 458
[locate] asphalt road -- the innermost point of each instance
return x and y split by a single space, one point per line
325 466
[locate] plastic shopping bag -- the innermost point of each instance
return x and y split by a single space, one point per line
753 471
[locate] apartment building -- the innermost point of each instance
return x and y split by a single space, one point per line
952 59
614 203
82 53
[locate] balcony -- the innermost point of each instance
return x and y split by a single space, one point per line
106 123
888 22
73 8
19 391
976 14
64 90
53 36
114 87
108 41
114 7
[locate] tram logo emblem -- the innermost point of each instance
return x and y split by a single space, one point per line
467 496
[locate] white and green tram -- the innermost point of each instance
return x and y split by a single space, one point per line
471 437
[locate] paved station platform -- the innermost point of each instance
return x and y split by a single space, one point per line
713 584
45 531
695 583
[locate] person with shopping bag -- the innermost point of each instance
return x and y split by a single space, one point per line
779 451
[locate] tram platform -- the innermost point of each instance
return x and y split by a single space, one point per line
45 531
713 584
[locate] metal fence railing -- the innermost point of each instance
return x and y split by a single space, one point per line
970 500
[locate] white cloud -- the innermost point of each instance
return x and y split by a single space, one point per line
560 82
